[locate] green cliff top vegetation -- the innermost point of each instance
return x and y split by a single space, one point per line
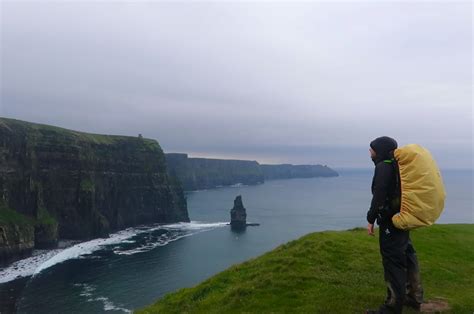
32 128
332 272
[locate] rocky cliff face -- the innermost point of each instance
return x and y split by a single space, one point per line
204 173
78 185
17 236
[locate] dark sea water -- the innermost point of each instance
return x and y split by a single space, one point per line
135 267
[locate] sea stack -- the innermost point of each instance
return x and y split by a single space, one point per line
238 215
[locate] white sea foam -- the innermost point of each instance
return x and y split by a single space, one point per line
43 259
88 292
26 267
176 232
195 225
85 248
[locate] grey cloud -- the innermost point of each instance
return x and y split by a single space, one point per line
296 82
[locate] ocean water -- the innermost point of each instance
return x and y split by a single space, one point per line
134 267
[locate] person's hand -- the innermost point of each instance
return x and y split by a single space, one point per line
370 229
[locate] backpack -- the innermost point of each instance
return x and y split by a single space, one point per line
422 188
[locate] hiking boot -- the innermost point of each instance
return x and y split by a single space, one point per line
411 303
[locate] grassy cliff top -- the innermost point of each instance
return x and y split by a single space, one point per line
332 272
30 127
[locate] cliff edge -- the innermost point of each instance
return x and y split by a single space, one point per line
333 272
66 184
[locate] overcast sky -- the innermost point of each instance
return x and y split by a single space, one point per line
309 82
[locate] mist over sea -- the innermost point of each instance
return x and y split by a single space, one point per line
136 266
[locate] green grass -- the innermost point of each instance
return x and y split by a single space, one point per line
45 218
87 185
332 272
34 129
9 216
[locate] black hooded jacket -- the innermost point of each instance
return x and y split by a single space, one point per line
385 183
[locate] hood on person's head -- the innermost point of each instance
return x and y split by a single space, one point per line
382 147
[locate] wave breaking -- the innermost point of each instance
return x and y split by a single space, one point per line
159 235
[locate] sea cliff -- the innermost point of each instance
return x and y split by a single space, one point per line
207 173
58 183
288 171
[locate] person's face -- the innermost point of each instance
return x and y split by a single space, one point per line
372 153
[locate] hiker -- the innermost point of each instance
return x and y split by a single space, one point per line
400 265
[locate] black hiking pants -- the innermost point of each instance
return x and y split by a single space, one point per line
400 265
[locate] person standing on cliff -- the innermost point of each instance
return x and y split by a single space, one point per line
400 264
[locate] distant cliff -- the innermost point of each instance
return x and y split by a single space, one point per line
287 171
204 173
58 183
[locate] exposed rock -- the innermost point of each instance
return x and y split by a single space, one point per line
15 241
77 185
46 235
16 234
238 215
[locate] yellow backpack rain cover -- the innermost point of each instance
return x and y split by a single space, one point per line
423 193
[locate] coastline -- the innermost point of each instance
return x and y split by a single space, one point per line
11 288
